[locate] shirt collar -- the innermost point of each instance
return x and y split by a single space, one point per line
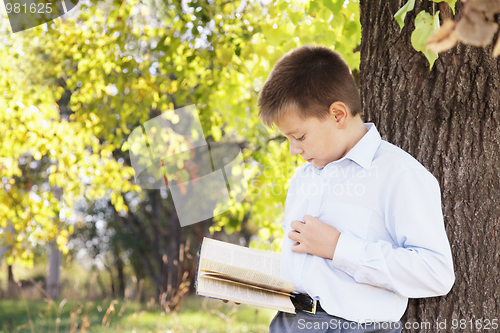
363 151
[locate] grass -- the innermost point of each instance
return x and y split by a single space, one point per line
197 314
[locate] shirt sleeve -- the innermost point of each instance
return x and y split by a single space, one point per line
419 262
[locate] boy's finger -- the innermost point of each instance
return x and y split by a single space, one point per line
225 301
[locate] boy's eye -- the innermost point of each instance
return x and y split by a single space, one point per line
301 138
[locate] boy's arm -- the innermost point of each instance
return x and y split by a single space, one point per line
421 264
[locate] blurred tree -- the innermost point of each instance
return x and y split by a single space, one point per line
41 151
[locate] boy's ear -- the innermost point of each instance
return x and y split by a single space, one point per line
340 112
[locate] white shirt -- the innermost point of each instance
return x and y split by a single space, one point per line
393 243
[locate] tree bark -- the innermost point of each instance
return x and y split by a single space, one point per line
447 118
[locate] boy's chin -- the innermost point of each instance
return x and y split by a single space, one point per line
317 164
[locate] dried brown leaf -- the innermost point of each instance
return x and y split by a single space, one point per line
496 50
444 38
473 29
488 7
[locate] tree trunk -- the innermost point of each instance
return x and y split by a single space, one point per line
121 275
53 285
104 291
12 288
171 268
447 118
10 274
111 285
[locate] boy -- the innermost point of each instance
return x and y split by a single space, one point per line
363 224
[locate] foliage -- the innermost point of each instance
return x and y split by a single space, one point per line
46 162
74 90
425 25
475 27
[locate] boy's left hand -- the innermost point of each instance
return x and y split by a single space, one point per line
314 237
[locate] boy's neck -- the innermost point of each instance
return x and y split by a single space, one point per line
356 129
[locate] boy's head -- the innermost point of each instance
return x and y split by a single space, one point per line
307 80
311 91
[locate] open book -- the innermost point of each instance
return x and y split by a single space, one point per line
240 274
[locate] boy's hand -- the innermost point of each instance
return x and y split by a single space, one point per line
314 237
225 301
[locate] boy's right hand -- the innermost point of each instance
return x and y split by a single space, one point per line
225 301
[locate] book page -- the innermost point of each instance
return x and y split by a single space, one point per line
248 259
243 294
222 278
247 276
239 256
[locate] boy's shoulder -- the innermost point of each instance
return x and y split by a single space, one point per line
395 159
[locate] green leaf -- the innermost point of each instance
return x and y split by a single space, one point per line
313 7
324 14
401 14
224 53
425 25
216 133
334 6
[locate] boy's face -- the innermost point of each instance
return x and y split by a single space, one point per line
318 142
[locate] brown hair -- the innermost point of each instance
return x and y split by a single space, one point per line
307 80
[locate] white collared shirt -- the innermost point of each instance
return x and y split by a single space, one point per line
393 244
